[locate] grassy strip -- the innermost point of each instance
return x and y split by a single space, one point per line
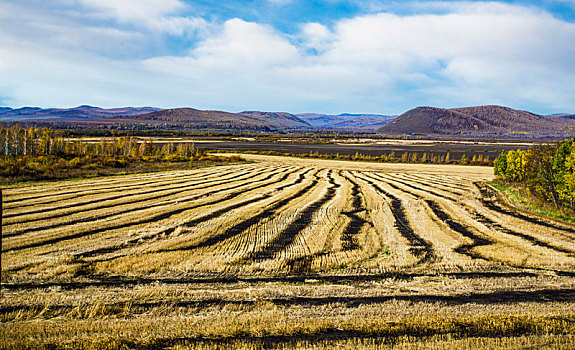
269 327
523 200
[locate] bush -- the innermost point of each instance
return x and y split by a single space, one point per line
548 172
75 162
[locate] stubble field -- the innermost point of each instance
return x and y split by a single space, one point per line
286 253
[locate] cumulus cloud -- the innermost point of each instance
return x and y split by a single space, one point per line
477 53
466 53
243 43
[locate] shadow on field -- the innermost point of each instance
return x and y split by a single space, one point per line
118 281
498 297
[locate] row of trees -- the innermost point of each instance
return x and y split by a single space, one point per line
547 171
415 157
19 141
405 157
34 154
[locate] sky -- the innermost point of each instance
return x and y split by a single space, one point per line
325 56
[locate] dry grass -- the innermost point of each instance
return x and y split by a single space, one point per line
284 253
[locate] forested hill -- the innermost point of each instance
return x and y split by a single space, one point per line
95 117
478 121
195 118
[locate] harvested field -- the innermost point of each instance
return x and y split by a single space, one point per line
283 253
455 148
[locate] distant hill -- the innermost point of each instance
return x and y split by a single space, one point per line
346 121
89 116
477 121
480 121
280 120
77 113
563 115
199 119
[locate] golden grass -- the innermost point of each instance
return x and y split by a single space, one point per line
284 253
275 327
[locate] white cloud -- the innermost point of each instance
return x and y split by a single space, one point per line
235 64
316 36
62 78
24 24
135 10
243 43
477 53
465 54
157 15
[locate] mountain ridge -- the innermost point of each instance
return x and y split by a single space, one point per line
346 121
489 120
83 112
211 119
480 121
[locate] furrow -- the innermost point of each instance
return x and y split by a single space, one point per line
242 226
100 281
417 188
140 221
419 246
196 221
497 227
148 202
487 298
64 196
356 223
434 179
457 227
103 203
35 189
302 220
429 184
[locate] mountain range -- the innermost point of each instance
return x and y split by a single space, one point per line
479 121
199 119
77 113
194 118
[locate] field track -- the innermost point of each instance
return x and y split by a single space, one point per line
280 222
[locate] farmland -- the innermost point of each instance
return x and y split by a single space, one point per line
283 252
370 147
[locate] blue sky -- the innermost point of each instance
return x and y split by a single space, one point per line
327 56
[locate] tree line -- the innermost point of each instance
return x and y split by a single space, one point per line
19 141
392 157
33 153
547 171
